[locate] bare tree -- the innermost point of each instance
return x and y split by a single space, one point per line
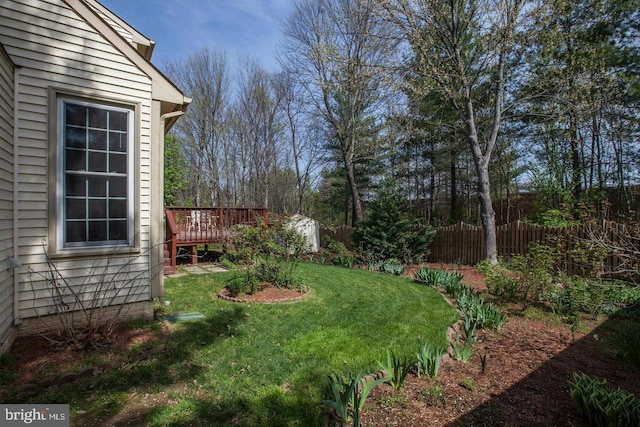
300 129
205 75
461 48
333 49
259 127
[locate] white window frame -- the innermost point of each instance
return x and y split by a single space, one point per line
61 215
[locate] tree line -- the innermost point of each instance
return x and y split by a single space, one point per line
461 105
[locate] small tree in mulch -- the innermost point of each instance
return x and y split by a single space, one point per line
274 252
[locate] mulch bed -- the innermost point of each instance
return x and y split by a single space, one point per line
529 363
267 294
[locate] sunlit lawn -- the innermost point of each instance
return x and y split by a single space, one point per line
266 364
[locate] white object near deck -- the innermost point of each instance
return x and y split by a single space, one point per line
309 228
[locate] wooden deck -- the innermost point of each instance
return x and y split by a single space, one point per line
190 227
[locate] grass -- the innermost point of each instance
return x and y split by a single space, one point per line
266 364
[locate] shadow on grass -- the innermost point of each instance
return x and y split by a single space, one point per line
271 409
107 393
594 355
273 406
194 405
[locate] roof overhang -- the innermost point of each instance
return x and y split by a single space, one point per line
162 89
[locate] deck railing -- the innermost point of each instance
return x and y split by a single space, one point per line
187 226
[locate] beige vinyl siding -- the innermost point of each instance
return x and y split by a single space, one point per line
6 196
123 32
56 49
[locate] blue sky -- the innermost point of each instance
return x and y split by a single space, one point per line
179 27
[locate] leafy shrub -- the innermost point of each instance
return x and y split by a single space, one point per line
334 246
499 280
527 279
535 273
241 284
392 229
619 295
227 263
601 405
592 297
275 250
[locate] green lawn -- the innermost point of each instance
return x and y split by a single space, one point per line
266 364
261 364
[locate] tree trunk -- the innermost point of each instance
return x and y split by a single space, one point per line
487 214
454 213
358 215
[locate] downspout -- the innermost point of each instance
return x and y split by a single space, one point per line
163 118
16 191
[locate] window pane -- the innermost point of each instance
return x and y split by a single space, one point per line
97 162
76 114
117 208
76 160
76 185
76 137
97 231
97 186
76 231
98 139
117 163
118 141
76 209
118 187
98 118
118 230
97 208
96 180
117 120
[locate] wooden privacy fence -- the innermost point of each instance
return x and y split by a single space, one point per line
463 243
341 233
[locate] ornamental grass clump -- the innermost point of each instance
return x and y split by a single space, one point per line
602 406
449 281
396 368
349 396
429 359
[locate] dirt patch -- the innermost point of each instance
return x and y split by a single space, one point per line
39 363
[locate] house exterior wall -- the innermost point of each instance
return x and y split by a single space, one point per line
6 198
58 52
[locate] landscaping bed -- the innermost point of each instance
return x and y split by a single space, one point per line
149 377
